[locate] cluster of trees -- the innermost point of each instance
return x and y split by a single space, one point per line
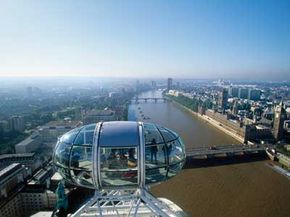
118 104
72 112
187 102
44 114
121 104
36 118
192 104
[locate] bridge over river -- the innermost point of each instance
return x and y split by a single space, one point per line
152 99
225 151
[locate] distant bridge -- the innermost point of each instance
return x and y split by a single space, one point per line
224 151
152 99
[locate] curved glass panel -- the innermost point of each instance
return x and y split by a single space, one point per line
64 173
175 152
119 166
174 169
81 158
163 161
175 134
152 134
119 134
168 135
183 147
155 175
82 177
61 154
86 135
155 155
89 137
90 127
80 139
70 136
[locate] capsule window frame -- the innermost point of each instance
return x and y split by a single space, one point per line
121 171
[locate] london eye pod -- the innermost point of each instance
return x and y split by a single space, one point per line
119 154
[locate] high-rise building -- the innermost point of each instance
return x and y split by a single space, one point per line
234 91
230 90
137 86
280 117
153 84
223 99
178 85
243 93
254 94
16 123
169 84
235 108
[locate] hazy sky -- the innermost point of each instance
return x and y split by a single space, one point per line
195 39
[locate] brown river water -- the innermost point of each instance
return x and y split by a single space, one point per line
242 190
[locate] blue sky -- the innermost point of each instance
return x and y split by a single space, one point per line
182 39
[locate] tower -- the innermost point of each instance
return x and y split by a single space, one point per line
280 117
223 99
243 93
153 84
235 108
137 86
169 84
254 94
16 123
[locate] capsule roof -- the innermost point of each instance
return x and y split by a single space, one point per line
119 134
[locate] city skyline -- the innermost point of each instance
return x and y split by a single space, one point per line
50 129
185 39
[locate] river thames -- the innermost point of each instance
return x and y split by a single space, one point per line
242 190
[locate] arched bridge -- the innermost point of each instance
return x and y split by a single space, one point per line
146 99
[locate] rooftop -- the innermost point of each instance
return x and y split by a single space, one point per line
101 113
26 141
5 156
61 123
9 169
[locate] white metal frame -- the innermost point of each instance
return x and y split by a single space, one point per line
125 203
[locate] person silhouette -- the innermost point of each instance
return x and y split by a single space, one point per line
153 150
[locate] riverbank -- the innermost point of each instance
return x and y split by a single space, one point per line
279 170
211 121
208 188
